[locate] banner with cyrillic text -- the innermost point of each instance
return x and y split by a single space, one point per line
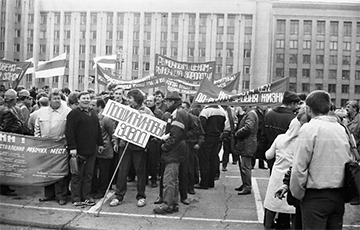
190 71
134 126
12 71
31 161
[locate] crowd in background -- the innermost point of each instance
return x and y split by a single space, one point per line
302 141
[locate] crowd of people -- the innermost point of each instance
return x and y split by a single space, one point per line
303 141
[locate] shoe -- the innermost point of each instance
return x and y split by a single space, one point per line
239 189
141 202
115 202
175 208
45 198
197 186
244 192
224 169
158 200
185 201
191 191
154 185
161 211
89 202
78 204
62 202
234 162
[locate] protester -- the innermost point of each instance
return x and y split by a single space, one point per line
42 103
261 138
24 103
174 151
317 175
133 154
228 136
50 123
84 140
72 100
160 101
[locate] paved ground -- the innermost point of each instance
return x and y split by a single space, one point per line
217 208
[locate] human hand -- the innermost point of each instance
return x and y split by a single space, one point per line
196 146
280 192
116 148
73 152
101 149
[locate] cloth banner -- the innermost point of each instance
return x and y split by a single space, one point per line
167 67
54 67
269 94
134 126
105 61
12 71
229 83
31 161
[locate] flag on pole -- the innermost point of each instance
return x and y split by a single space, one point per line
105 61
31 68
51 68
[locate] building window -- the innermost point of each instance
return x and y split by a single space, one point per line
219 52
42 34
67 19
246 85
202 52
307 44
305 73
82 34
293 44
81 64
247 38
229 69
30 33
320 28
357 47
82 49
191 37
42 49
319 59
174 51
344 88
2 46
333 45
294 27
66 78
146 66
135 50
17 33
357 60
147 51
279 72
333 60
190 52
67 34
93 49
292 87
318 86
164 20
30 48
57 19
334 28
332 73
280 43
357 89
293 72
202 37
109 18
56 49
120 35
136 19
136 35
93 18
67 48
175 20
18 18
219 37
82 19
109 35
357 75
2 31
163 36
3 16
31 18
347 46
320 45
346 60
55 79
56 34
347 29
246 69
345 75
81 79
135 65
230 53
218 68
93 34
220 21
163 51
28 78
280 28
306 59
192 19
319 73
108 50
247 53
230 37
305 87
147 20
203 19
147 35
174 36
307 27
279 58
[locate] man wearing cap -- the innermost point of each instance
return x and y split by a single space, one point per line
10 122
24 103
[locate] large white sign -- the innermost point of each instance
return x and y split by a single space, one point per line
134 126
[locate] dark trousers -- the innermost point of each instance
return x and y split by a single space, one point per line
101 177
81 183
183 175
323 209
227 148
161 186
245 172
114 163
138 158
191 167
261 163
152 161
208 162
58 190
196 167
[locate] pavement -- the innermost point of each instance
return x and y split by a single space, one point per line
216 208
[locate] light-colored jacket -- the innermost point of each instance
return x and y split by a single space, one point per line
51 123
320 156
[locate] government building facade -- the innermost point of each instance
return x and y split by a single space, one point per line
316 45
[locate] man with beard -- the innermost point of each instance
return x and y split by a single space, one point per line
50 123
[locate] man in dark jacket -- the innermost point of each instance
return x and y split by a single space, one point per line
246 147
174 150
83 135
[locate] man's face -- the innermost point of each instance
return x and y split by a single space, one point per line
55 101
159 98
350 110
92 104
169 103
118 95
184 105
150 101
84 101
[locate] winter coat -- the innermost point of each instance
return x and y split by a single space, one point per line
246 135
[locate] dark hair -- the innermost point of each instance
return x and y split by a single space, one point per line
137 95
45 87
302 96
54 92
187 103
332 107
319 102
40 95
159 92
100 102
66 91
73 98
82 93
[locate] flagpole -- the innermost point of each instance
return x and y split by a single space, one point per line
96 81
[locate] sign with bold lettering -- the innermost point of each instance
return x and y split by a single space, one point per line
229 83
167 67
31 161
134 126
12 71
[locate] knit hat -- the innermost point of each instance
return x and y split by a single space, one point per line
290 97
173 96
10 94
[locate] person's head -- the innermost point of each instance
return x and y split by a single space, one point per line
100 104
84 100
24 96
302 115
43 102
46 88
92 104
72 100
2 90
185 105
10 97
172 98
118 94
55 98
352 108
318 103
159 96
136 97
91 93
66 91
291 100
150 101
